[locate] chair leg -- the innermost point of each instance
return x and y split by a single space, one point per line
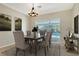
16 51
47 48
30 48
45 51
49 44
24 52
35 51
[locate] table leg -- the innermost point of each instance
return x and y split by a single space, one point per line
35 47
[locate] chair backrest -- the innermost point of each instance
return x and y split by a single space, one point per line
42 32
48 37
19 39
28 33
66 40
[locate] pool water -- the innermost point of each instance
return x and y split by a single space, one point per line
55 36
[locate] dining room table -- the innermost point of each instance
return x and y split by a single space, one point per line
32 38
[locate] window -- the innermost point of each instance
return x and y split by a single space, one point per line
50 25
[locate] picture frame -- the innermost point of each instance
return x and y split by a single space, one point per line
18 24
5 22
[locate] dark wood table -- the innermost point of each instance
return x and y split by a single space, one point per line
31 38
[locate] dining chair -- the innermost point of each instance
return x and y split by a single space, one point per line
45 42
28 33
42 32
20 41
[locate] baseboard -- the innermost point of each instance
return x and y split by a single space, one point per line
7 45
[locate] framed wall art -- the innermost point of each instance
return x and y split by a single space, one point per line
5 22
18 24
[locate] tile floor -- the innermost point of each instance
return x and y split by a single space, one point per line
63 51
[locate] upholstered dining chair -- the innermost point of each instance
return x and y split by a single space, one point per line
20 41
28 33
45 43
48 38
42 32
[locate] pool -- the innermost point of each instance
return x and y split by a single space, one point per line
56 33
55 36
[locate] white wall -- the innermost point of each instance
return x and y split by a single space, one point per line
76 9
65 20
6 37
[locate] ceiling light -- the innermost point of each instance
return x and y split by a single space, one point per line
32 12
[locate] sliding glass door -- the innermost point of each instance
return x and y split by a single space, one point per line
50 25
55 27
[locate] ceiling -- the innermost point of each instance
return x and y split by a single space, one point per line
41 8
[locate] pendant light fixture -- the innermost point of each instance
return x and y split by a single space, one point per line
32 12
